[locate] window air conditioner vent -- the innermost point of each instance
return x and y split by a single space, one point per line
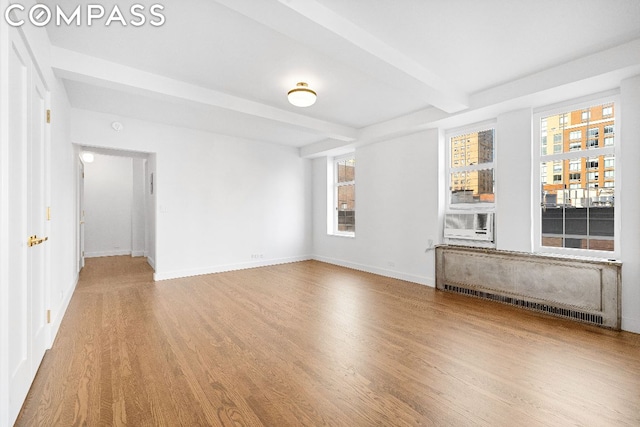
469 226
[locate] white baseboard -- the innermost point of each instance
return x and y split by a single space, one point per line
59 312
422 280
106 253
631 325
151 262
137 253
158 276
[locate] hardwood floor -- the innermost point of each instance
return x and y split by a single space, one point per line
315 344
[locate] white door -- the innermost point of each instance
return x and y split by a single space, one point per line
27 215
37 217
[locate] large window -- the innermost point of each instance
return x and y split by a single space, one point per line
345 195
471 168
577 199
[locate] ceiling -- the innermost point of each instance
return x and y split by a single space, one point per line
379 67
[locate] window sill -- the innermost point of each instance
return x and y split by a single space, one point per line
348 236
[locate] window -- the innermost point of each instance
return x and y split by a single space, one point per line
577 213
475 188
609 162
557 138
345 195
575 146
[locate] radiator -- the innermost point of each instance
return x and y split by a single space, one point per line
579 289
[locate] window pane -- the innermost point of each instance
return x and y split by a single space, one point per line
346 208
346 170
472 187
578 130
581 218
472 149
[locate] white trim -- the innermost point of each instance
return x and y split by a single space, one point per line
59 312
151 262
106 253
158 276
421 280
609 97
137 253
630 325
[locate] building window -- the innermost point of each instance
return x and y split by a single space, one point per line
476 169
345 195
573 146
578 215
609 162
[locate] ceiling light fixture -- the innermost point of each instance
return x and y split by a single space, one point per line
87 157
302 96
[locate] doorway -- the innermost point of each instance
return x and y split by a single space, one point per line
116 206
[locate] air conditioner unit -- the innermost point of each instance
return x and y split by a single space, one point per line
469 226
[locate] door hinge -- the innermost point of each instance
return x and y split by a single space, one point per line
48 316
49 213
48 116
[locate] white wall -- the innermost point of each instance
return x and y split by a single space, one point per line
396 210
222 203
629 201
138 209
108 205
513 181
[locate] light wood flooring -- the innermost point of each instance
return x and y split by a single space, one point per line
311 344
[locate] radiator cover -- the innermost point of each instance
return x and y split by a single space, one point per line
579 289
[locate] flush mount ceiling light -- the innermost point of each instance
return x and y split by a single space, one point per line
87 157
301 95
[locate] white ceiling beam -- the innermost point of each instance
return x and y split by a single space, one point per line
83 68
441 93
595 73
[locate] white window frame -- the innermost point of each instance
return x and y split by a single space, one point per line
333 229
581 104
450 133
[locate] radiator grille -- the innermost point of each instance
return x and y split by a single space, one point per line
594 319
